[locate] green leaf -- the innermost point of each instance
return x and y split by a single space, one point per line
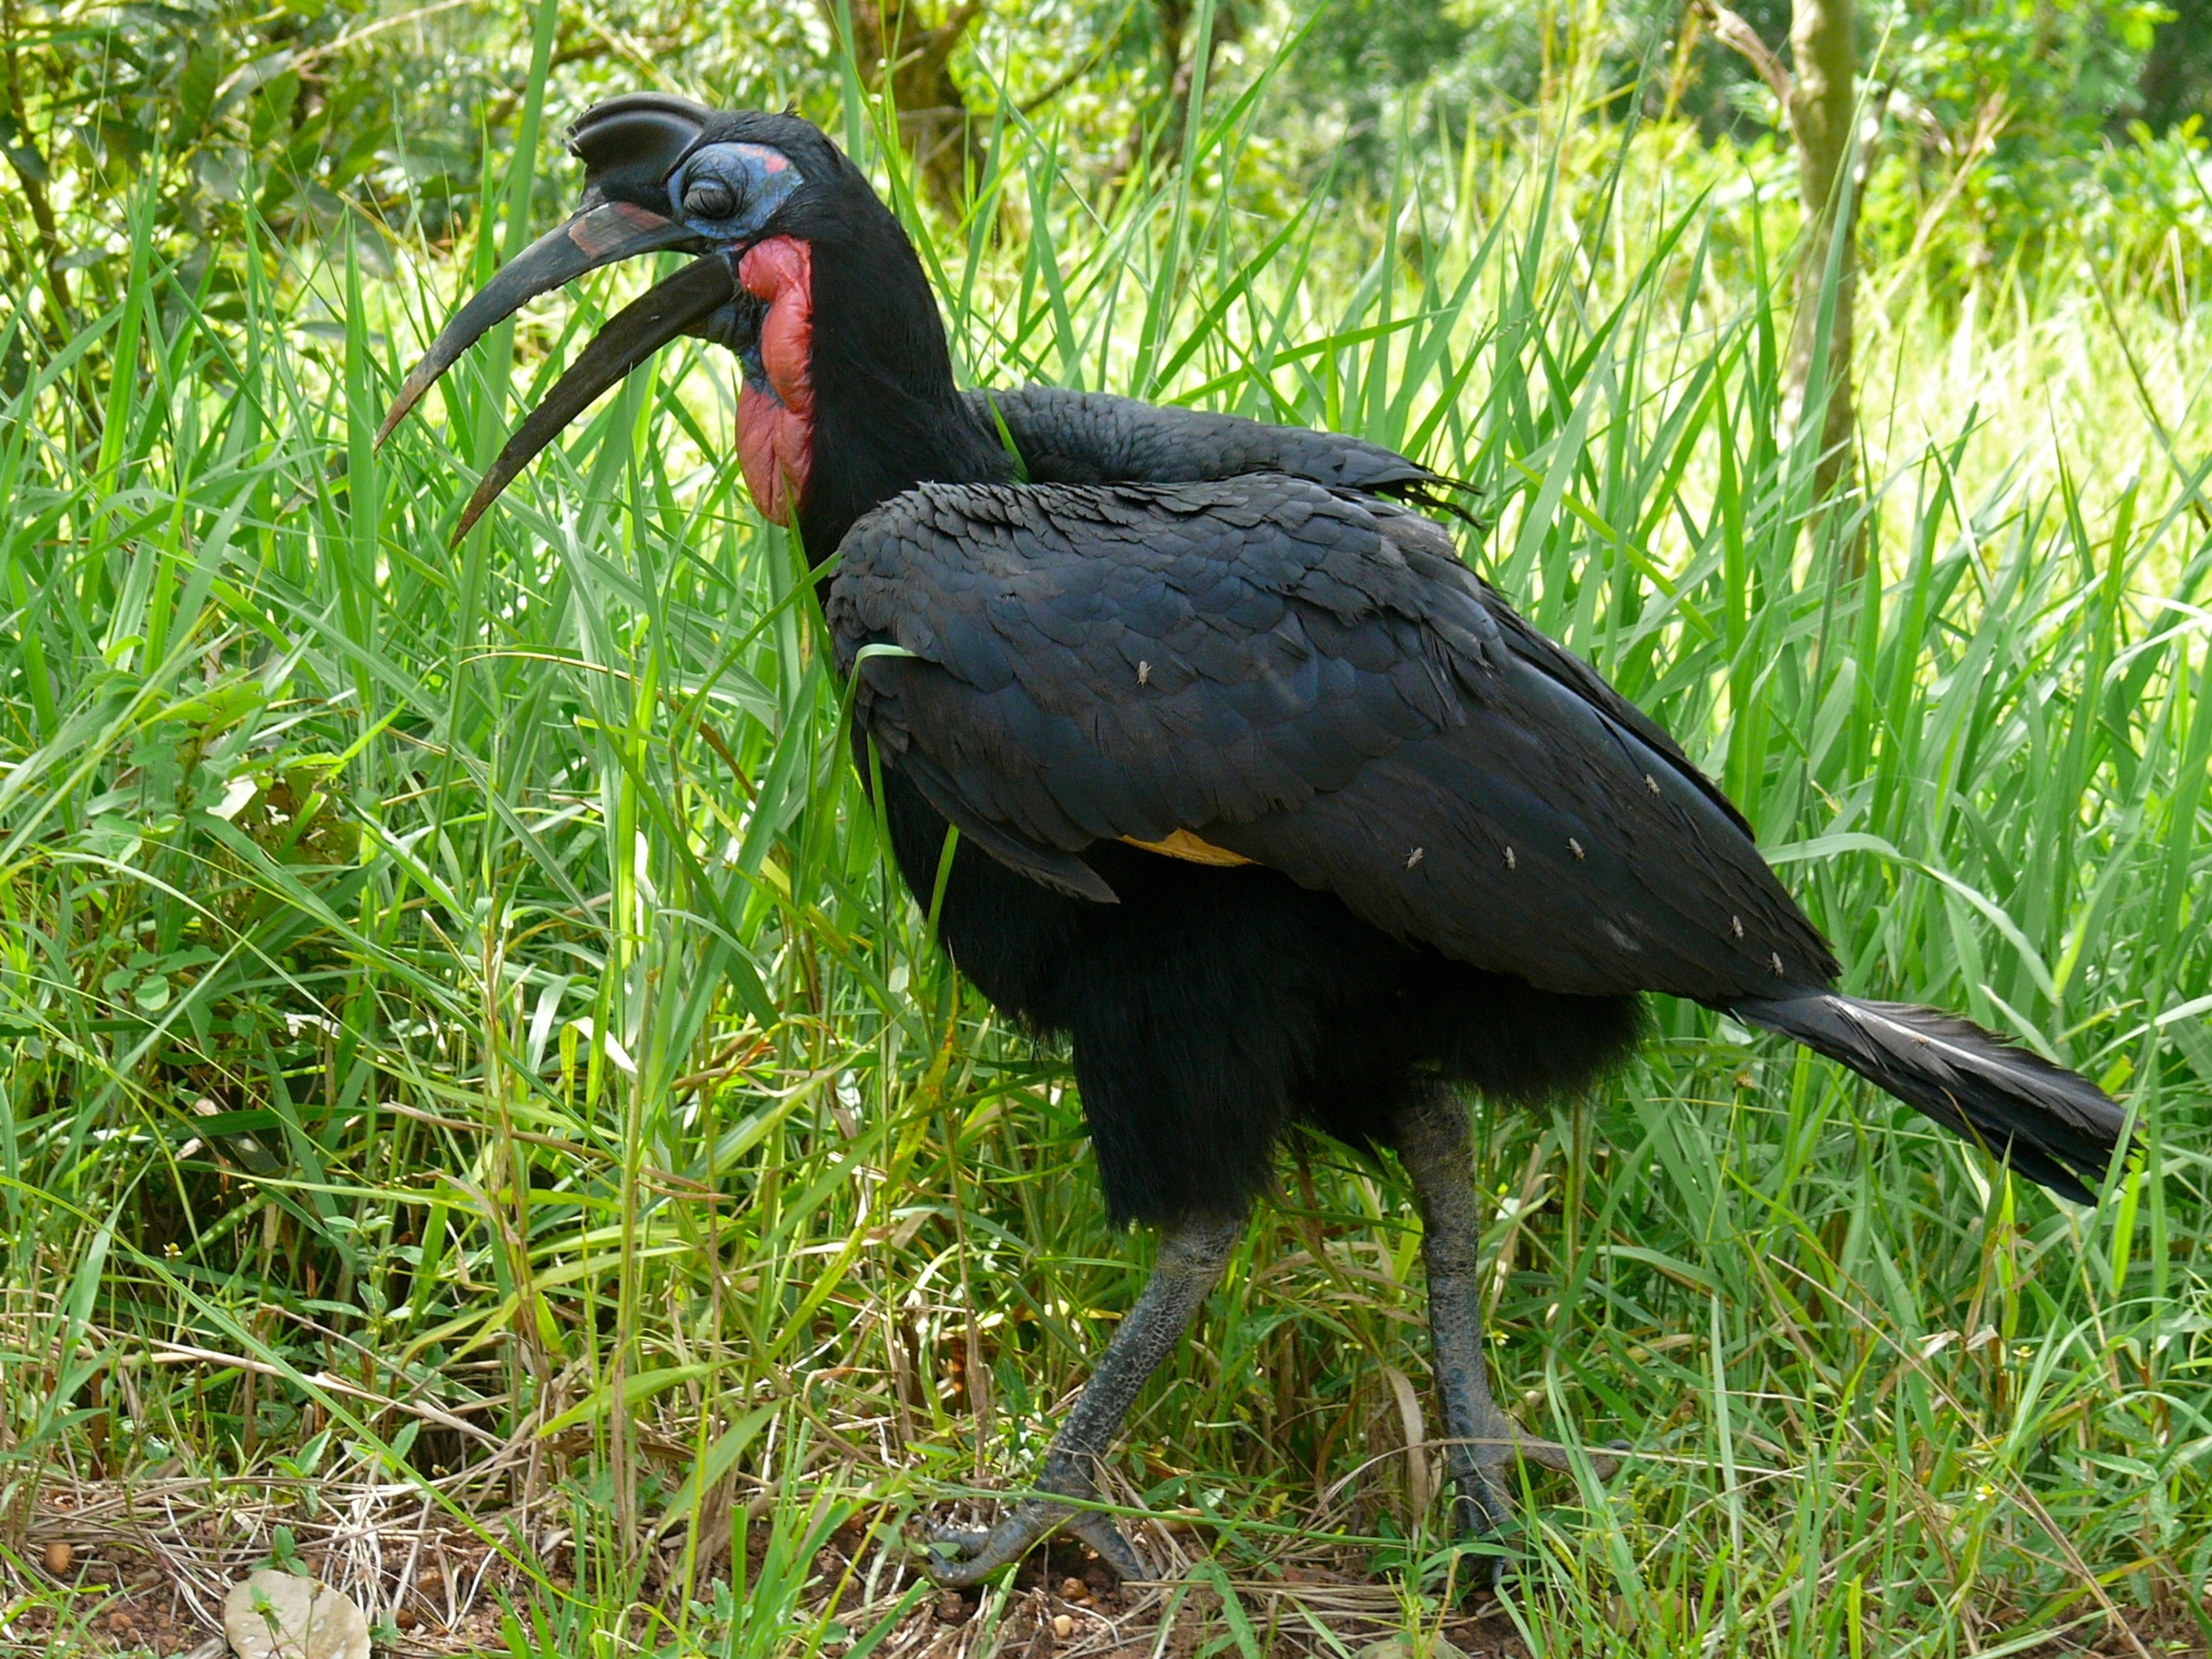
195 86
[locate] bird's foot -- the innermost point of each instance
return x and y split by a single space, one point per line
1485 1506
1548 1453
958 1558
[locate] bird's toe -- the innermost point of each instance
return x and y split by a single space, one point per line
1486 1510
1551 1455
960 1557
953 1543
1112 1545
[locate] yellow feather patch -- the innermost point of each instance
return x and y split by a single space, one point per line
1188 848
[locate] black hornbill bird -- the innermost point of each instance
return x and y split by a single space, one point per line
1262 799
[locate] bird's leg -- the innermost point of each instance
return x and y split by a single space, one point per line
1485 1442
1191 1258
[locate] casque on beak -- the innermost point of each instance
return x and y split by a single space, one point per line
630 147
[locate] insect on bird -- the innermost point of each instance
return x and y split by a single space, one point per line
1257 794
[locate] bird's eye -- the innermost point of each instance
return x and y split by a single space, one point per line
710 198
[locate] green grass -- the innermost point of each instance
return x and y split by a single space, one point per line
462 1040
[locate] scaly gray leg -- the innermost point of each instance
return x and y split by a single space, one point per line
1432 1145
1191 1258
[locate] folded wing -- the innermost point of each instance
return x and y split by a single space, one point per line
1310 680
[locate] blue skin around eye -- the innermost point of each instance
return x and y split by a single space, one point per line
755 177
762 179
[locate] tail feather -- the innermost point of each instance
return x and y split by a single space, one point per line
2052 1125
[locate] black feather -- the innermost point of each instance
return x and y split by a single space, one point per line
2054 1126
1327 692
1212 1009
1471 855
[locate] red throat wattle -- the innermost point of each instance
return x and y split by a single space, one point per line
776 425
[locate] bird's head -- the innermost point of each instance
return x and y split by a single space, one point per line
801 271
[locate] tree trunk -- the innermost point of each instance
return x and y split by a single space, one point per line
1179 67
1822 107
935 124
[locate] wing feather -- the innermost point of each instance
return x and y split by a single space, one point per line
1310 680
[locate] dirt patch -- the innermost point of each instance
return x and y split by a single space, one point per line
141 1568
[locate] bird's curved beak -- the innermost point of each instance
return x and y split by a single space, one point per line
598 236
647 134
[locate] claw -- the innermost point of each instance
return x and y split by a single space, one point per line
945 1543
1551 1455
1112 1545
975 1555
1191 1258
1485 1506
